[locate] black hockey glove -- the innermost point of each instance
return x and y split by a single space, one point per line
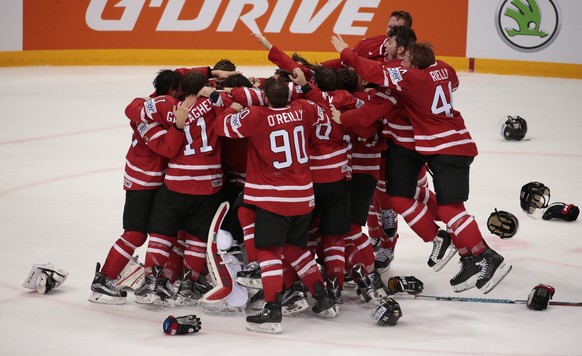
539 297
182 325
408 284
563 211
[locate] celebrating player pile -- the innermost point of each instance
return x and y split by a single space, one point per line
300 157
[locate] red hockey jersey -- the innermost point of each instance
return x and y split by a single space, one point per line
371 48
427 98
154 141
196 169
278 176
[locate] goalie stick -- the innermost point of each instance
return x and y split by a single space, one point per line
491 300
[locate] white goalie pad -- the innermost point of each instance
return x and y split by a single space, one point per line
45 277
226 297
132 276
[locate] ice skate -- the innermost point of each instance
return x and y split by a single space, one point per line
466 278
267 320
104 291
389 222
365 285
147 294
250 277
294 299
383 259
443 251
187 293
493 270
335 293
324 306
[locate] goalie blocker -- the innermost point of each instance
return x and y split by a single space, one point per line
45 277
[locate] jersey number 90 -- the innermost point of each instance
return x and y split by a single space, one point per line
292 145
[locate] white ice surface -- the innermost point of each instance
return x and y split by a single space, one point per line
62 150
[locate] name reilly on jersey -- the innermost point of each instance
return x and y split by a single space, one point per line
285 117
439 74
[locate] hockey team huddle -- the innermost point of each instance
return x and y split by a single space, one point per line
265 184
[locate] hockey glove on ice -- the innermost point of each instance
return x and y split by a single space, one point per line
563 211
408 284
182 325
539 297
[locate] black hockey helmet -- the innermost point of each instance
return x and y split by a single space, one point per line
514 128
502 223
387 313
534 195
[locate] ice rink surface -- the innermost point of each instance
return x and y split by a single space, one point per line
62 148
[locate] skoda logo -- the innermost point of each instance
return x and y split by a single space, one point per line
528 25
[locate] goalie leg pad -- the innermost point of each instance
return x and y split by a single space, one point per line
226 297
225 292
132 276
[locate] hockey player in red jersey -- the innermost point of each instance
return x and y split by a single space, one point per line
144 172
366 148
441 140
279 184
328 154
399 131
373 47
187 200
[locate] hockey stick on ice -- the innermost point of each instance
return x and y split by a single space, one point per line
491 300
